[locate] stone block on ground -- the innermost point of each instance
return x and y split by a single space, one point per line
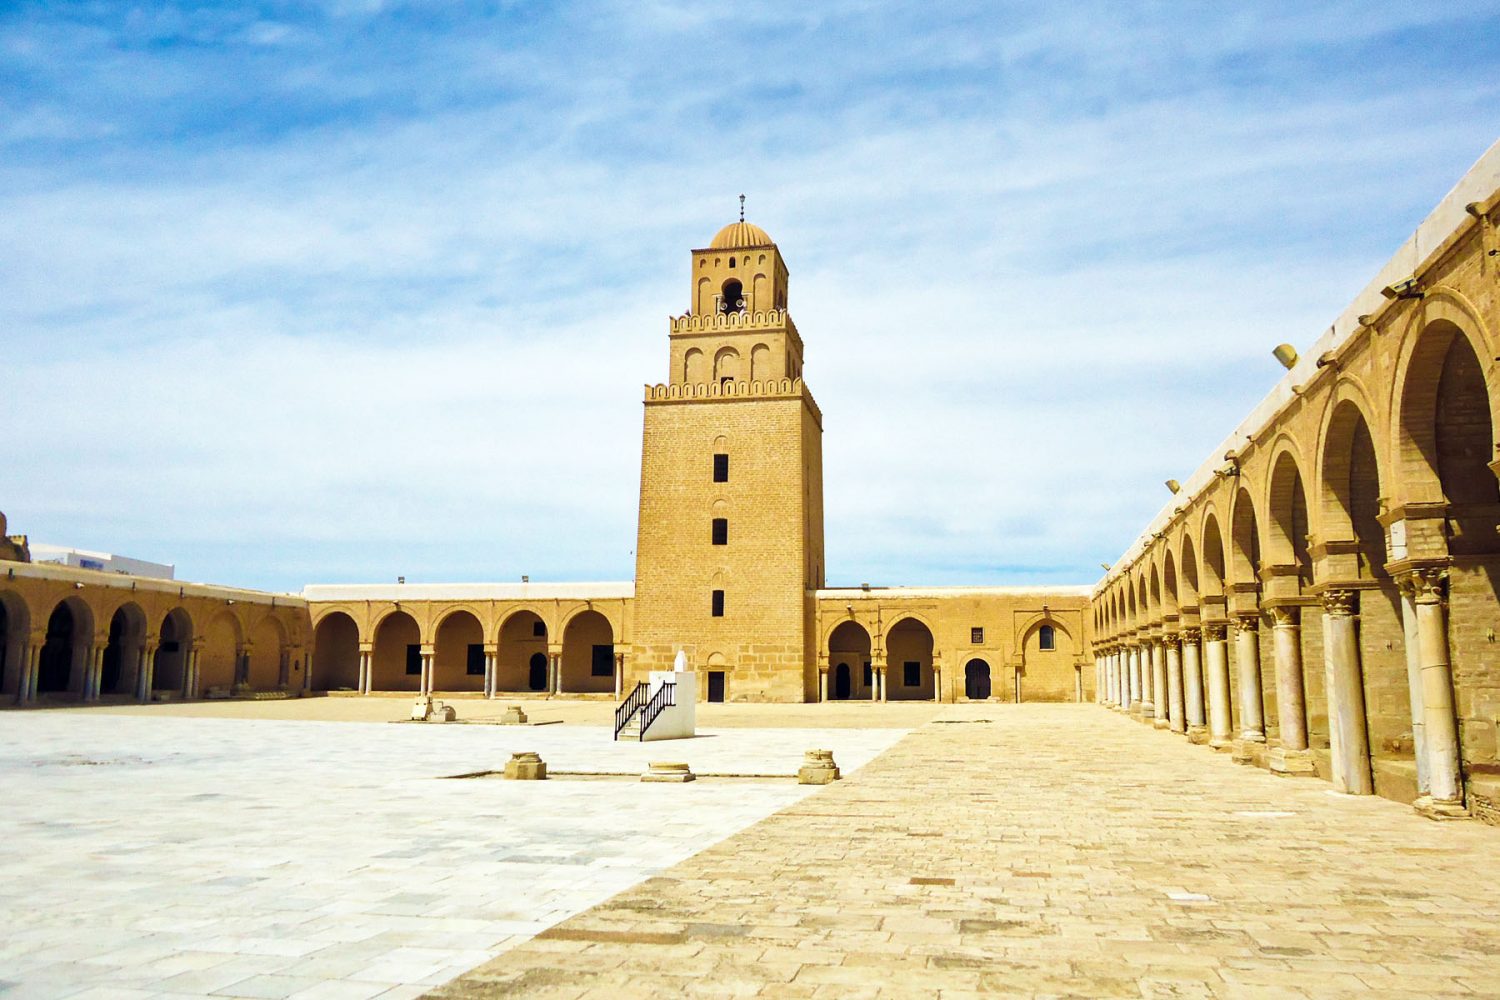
526 766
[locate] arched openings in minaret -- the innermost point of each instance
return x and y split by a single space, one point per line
705 303
694 367
726 365
732 296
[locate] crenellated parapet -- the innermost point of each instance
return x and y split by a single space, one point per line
772 388
732 322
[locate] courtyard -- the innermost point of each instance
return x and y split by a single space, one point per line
1033 850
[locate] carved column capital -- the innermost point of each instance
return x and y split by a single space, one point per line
1246 622
1171 640
1192 635
1284 616
1338 603
1214 632
1426 584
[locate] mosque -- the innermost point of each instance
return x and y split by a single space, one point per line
1345 533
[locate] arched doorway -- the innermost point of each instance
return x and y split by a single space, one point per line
977 680
908 654
588 654
174 643
849 652
65 652
335 662
458 654
122 655
522 645
396 661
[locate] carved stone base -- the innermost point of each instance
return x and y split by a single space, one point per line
1425 806
1292 763
1221 745
1147 713
526 766
1162 723
1248 748
1197 734
668 771
817 768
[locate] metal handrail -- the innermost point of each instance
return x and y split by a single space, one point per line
665 697
630 706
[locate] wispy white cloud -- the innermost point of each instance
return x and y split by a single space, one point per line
371 291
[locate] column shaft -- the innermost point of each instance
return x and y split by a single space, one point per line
1176 704
1346 696
1192 679
1216 652
1247 655
1159 684
1412 639
1443 773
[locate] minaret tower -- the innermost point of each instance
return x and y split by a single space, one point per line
730 545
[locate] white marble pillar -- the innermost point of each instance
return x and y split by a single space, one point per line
1216 655
145 675
428 662
366 669
937 683
1192 684
1176 704
1445 781
190 674
1134 655
1346 696
1412 640
555 664
822 684
1291 755
1247 657
1159 684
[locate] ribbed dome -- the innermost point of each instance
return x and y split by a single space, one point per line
739 234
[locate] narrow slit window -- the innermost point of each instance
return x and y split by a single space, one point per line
718 604
1046 638
721 531
721 468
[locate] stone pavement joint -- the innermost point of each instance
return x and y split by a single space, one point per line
1061 851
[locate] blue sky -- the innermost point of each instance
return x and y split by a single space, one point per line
335 292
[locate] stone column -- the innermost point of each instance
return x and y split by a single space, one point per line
366 668
1133 656
1159 684
1176 705
284 670
554 664
937 683
880 678
429 656
1192 685
1445 798
145 676
1252 706
1346 696
94 677
1078 682
1112 673
491 654
1290 756
822 682
190 671
35 667
1216 653
1412 642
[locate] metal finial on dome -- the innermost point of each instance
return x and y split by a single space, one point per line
742 208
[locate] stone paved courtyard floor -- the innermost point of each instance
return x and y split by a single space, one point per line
1055 851
151 855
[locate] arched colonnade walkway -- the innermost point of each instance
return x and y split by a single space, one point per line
1322 596
80 635
528 640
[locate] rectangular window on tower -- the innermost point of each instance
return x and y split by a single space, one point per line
721 468
718 604
721 531
976 636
